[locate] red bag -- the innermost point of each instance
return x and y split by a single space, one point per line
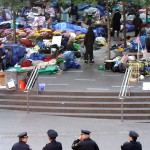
26 63
26 42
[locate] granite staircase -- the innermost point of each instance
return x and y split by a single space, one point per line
101 105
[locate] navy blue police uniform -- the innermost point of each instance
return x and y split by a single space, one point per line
86 144
21 145
132 145
53 145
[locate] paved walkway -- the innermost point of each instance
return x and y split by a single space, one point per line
109 134
89 78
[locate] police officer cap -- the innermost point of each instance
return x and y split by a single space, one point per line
52 133
22 135
133 134
85 132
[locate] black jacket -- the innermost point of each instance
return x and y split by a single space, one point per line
20 146
116 21
86 144
131 146
1 54
89 37
137 22
54 145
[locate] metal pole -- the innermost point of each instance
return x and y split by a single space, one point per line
28 102
37 85
122 109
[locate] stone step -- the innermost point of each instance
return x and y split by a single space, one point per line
78 109
143 93
138 117
79 104
76 104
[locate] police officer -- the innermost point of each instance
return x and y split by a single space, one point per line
21 145
84 142
53 145
132 144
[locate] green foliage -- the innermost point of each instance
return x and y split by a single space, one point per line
15 4
79 2
143 3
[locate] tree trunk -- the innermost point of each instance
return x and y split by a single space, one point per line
14 26
108 31
124 24
147 15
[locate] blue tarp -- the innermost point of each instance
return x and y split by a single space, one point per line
100 8
17 52
74 28
69 27
130 27
36 56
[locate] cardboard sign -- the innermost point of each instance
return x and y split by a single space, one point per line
57 40
146 85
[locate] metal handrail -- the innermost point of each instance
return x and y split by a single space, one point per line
125 83
124 87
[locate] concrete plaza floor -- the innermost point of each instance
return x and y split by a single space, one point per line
109 134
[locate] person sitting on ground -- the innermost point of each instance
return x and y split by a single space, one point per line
71 47
70 44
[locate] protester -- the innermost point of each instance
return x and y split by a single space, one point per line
84 142
21 145
132 144
2 56
53 145
147 43
116 24
89 42
74 13
137 22
70 44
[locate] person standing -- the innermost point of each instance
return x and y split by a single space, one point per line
74 13
137 22
116 24
84 142
89 42
2 56
21 145
132 144
53 145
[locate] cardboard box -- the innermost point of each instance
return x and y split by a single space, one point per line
2 79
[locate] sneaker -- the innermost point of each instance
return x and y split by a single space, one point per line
92 61
86 61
